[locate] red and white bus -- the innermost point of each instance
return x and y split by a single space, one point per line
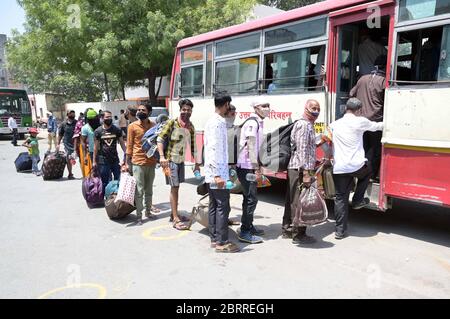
281 57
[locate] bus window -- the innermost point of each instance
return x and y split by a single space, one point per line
192 81
419 56
192 55
238 45
418 9
239 76
293 71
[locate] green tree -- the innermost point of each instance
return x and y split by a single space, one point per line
288 4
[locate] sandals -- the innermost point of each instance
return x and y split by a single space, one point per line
227 248
150 215
180 217
179 225
153 209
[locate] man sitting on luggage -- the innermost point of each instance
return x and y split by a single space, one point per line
350 162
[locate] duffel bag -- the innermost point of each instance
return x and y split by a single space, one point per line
92 190
23 162
117 209
53 166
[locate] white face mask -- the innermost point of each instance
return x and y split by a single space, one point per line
264 112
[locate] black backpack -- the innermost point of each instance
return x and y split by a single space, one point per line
275 151
234 136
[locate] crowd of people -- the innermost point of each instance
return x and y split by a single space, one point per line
356 154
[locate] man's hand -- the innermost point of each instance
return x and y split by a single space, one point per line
163 162
258 174
307 179
219 181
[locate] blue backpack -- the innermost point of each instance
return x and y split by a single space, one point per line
149 140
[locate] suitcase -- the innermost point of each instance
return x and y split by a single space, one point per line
92 189
23 162
117 209
200 213
53 166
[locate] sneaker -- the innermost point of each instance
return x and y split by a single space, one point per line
285 234
256 231
340 235
303 239
361 204
247 237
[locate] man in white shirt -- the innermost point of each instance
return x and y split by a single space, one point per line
216 175
12 124
350 162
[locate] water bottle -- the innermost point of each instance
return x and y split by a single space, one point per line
228 185
250 177
233 174
197 174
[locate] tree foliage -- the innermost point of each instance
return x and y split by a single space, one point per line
288 4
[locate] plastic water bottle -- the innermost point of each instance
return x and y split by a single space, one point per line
233 174
197 174
228 185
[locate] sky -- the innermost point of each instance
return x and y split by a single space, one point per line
12 16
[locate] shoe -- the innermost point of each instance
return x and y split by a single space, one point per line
70 177
340 235
150 215
139 222
247 237
285 234
361 204
256 231
303 239
227 248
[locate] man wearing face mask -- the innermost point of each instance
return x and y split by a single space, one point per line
139 165
251 139
105 149
177 133
300 170
65 134
87 132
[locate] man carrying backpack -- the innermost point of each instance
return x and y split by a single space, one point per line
300 170
251 138
177 132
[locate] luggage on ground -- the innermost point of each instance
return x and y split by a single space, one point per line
234 138
200 213
92 189
53 166
111 188
117 209
127 188
23 162
275 151
311 207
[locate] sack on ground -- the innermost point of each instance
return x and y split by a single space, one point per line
311 207
200 212
23 162
92 189
127 188
117 209
53 166
111 188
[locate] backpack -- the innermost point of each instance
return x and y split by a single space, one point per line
275 151
92 189
234 138
149 140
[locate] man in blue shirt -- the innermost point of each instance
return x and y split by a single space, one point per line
52 127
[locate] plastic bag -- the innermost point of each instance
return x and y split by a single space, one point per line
127 188
311 207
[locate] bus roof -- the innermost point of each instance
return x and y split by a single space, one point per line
281 18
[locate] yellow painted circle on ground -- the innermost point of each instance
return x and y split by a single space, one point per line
100 288
149 233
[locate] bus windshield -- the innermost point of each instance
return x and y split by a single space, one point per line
14 102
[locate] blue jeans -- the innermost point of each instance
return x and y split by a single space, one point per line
106 170
250 200
35 160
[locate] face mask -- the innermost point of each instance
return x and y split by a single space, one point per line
71 118
142 116
185 116
264 112
315 114
108 122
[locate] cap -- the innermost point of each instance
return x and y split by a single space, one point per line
33 130
91 114
259 100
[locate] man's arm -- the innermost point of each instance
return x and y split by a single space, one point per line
129 148
96 148
371 126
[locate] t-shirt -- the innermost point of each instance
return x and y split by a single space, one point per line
34 150
66 130
89 133
107 152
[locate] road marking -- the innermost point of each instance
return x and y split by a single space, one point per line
100 288
148 234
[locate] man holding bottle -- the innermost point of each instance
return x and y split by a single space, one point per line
248 170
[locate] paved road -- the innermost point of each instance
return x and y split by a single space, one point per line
49 240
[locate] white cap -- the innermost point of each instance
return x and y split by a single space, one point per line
259 100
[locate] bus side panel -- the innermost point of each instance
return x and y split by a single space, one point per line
416 175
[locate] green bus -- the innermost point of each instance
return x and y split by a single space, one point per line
15 103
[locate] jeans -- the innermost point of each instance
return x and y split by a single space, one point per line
292 195
372 147
35 160
108 169
249 202
343 184
15 137
219 210
144 175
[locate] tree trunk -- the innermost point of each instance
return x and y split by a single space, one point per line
106 87
151 87
159 86
122 86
